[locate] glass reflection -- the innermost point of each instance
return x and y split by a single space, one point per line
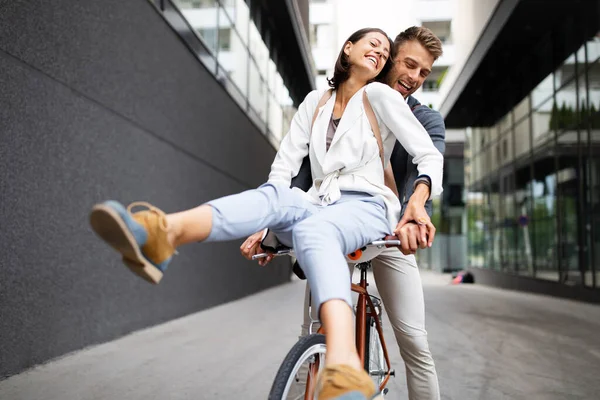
233 58
257 92
202 15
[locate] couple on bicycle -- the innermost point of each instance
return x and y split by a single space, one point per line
347 206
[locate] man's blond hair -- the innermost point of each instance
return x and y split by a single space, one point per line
422 35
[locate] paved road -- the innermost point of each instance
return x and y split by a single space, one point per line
488 344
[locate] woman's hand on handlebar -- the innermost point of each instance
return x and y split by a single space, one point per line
251 246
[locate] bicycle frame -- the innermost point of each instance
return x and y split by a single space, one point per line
364 299
361 322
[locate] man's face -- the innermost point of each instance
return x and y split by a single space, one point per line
412 65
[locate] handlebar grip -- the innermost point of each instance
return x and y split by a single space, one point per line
259 255
283 252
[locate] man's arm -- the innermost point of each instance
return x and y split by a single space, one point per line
434 125
432 121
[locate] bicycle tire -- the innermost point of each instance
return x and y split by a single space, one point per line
310 344
375 364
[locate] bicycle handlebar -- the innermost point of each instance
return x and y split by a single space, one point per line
287 252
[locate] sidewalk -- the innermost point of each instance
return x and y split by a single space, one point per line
487 343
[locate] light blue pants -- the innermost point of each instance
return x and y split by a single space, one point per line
320 235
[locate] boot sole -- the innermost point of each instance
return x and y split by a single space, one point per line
112 229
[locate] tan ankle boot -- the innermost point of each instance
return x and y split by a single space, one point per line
140 237
337 380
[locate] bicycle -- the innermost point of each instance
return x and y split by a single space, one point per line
290 383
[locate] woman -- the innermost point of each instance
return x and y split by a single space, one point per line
347 207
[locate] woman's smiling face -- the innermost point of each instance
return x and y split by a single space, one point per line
368 55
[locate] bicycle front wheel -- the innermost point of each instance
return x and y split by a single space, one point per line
375 363
299 369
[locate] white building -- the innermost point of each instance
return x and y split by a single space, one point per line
332 21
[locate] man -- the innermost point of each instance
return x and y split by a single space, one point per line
396 273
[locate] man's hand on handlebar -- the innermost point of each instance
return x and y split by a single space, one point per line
415 213
410 238
251 246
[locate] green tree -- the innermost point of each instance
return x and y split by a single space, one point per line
583 115
554 117
562 116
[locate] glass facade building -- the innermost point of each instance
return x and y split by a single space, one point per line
532 170
533 179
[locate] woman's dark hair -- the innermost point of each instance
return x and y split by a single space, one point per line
342 66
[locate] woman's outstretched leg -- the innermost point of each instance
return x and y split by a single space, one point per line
147 239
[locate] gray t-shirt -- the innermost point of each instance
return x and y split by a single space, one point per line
333 124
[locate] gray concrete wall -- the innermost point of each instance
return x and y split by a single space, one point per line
101 100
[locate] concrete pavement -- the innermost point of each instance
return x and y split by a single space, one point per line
487 344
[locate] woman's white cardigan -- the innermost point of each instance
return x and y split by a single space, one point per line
352 162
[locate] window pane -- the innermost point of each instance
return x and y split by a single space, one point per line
582 107
504 124
544 221
522 143
543 92
233 58
224 78
210 37
259 50
257 92
509 255
521 109
475 229
237 11
202 17
442 29
495 248
524 231
565 72
542 120
565 116
567 207
545 249
229 8
242 18
593 49
225 39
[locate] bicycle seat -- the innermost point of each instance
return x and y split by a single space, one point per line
372 250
